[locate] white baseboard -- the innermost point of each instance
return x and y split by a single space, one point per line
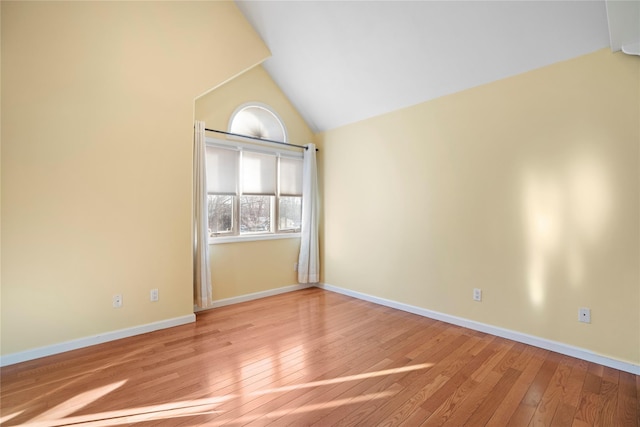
49 350
546 344
255 295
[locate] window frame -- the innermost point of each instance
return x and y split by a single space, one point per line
265 148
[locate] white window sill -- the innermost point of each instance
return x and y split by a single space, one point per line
252 237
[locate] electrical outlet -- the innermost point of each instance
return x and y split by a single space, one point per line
117 301
153 295
477 294
584 315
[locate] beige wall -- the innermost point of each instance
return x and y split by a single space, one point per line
244 268
247 267
97 114
527 188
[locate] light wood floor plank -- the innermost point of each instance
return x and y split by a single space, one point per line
626 412
571 396
552 397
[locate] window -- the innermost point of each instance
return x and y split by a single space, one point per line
258 121
252 190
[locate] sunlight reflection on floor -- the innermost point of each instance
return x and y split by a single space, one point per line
345 379
4 419
78 402
57 416
305 408
143 413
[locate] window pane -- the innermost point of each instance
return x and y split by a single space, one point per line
290 210
222 170
258 173
220 214
255 214
290 177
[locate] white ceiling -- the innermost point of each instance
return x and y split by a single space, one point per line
344 61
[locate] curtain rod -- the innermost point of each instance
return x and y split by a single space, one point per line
257 139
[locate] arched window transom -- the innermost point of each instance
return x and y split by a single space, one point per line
258 121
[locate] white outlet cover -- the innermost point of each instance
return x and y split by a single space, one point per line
117 301
584 315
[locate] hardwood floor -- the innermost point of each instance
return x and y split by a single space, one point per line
314 357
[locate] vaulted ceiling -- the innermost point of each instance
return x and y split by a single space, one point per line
344 61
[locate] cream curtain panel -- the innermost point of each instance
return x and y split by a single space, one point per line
202 291
309 258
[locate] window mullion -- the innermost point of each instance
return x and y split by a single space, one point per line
236 218
276 209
